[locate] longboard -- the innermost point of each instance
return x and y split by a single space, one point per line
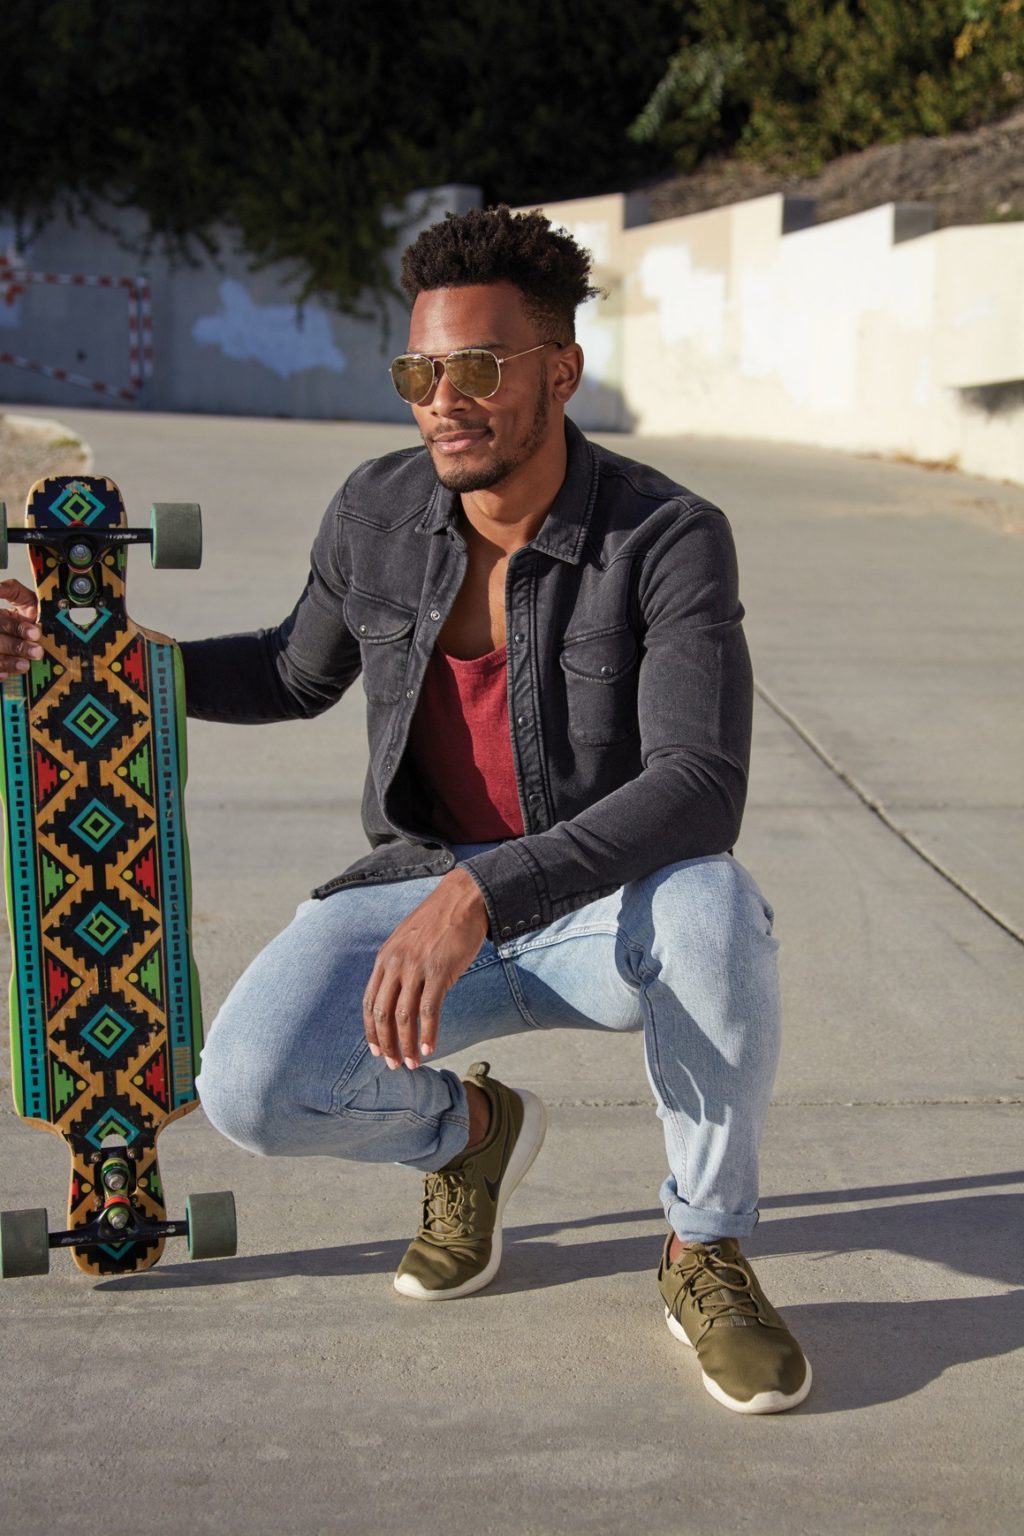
106 1025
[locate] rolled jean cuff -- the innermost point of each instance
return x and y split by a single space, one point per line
691 1224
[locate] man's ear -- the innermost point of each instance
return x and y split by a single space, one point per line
568 372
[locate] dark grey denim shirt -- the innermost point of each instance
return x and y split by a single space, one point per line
629 683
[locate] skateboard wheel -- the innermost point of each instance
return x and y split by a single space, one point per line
212 1229
3 536
177 528
24 1244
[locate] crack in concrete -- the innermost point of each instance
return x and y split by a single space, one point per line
993 1102
979 1102
879 810
996 1102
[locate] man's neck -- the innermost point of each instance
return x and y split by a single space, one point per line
512 513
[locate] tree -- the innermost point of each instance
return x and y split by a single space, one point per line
792 83
302 125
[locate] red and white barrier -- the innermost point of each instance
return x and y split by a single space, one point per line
13 282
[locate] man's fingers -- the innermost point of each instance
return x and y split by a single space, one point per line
19 634
369 1021
23 608
407 1018
379 1018
19 596
394 1014
425 956
430 1017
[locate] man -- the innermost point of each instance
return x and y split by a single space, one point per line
559 697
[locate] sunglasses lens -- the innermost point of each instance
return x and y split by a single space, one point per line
413 377
474 372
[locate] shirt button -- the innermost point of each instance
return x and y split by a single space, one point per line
362 629
409 693
435 614
535 917
520 719
506 933
520 926
517 639
606 671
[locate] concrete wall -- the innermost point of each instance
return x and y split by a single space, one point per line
873 333
225 339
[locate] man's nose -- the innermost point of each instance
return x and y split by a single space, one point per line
444 395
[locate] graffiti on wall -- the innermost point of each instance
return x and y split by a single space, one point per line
281 337
11 293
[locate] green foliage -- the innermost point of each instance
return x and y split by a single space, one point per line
302 125
532 99
792 83
200 114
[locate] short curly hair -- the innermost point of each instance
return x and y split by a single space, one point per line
495 245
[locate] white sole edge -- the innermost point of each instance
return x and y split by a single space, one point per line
529 1143
764 1402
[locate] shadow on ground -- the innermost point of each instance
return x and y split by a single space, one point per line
864 1352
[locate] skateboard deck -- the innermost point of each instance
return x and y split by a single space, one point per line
106 1025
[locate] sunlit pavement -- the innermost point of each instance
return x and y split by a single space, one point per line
290 1388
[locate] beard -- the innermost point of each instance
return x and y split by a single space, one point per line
469 477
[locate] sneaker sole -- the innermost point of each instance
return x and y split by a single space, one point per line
764 1402
528 1144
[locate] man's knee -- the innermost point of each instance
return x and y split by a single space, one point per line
713 902
244 1099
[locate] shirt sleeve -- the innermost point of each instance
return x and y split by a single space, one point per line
694 702
295 670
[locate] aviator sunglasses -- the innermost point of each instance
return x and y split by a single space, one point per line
473 371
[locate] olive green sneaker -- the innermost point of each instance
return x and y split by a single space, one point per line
750 1360
457 1249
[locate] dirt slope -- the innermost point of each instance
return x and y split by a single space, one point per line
969 178
31 447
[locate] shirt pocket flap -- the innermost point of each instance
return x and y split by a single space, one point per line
374 621
601 658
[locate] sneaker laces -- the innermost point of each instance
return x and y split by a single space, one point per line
447 1207
719 1287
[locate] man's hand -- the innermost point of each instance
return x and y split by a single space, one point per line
18 629
422 960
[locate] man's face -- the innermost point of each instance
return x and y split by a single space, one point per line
477 444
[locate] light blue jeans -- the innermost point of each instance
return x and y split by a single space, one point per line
685 955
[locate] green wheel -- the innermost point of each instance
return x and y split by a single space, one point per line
24 1248
177 535
212 1230
3 536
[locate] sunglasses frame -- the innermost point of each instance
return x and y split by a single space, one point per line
442 363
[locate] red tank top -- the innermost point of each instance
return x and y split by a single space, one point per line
462 749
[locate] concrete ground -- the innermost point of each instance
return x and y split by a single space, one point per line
289 1388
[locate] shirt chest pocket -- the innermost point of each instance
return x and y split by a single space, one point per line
384 632
600 684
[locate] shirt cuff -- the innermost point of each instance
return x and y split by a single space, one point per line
513 891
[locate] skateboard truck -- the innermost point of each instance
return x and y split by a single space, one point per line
174 535
209 1224
25 1238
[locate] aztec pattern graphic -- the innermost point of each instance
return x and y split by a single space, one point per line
105 1016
